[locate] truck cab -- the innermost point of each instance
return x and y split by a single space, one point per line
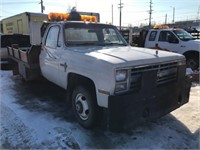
175 40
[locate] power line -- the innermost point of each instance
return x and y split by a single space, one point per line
135 11
5 11
14 3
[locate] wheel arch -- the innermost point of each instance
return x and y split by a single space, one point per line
191 52
192 55
75 79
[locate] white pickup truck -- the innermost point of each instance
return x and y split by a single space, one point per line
170 39
102 73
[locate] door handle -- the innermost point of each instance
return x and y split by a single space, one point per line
156 45
64 65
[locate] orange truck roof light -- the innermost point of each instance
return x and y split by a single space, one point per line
65 17
161 27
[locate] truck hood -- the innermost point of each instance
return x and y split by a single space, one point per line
192 45
124 56
130 56
195 41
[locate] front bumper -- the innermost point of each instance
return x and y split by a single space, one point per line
149 103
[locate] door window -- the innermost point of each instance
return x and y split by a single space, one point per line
52 37
152 36
167 36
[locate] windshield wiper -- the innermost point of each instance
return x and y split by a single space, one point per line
81 44
122 44
97 44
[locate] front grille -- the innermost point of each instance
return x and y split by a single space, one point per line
135 83
166 72
144 68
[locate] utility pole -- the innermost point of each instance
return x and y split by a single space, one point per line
112 13
198 12
173 15
120 14
166 19
42 6
150 13
173 21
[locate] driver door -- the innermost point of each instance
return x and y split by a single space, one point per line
168 41
50 54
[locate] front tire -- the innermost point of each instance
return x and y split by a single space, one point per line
85 107
192 61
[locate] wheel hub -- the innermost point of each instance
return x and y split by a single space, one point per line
191 63
81 106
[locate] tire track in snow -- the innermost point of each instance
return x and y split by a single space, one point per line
14 133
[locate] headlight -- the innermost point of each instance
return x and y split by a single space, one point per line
121 80
121 75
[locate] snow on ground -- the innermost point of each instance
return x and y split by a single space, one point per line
33 115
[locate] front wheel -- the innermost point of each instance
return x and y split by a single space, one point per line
84 106
192 61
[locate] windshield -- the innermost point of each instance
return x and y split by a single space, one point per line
78 34
183 35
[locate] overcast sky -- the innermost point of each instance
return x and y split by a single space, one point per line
134 12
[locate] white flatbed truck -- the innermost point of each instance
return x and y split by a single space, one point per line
100 71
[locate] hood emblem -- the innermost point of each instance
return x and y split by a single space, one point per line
156 52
